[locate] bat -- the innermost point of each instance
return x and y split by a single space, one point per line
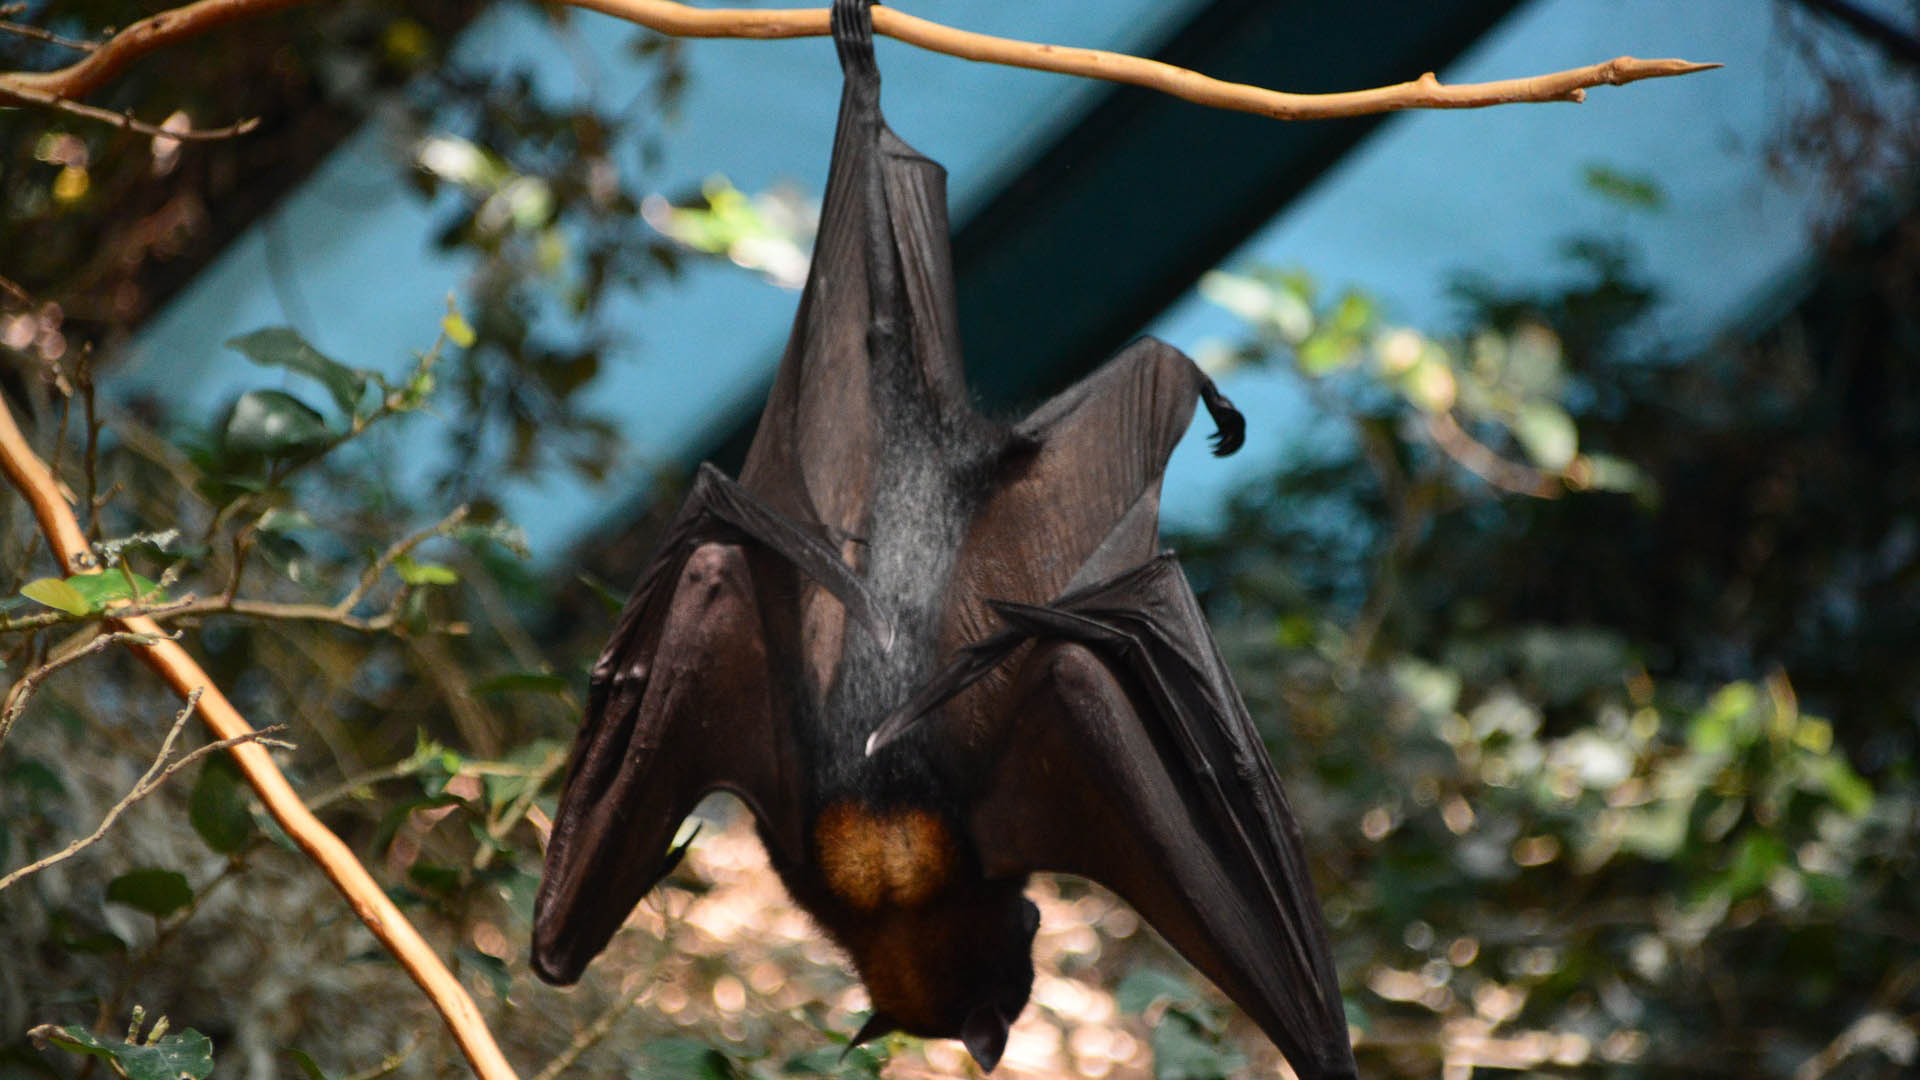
935 653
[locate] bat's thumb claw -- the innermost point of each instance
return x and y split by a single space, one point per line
985 1035
876 1026
1230 426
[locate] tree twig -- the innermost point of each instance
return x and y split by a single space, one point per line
157 774
17 694
48 36
1480 460
588 1036
371 576
35 96
680 20
172 662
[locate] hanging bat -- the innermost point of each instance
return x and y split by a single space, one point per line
935 654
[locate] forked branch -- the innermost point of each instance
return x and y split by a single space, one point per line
681 20
162 769
30 476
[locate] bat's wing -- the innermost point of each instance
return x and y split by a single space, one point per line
684 700
876 326
1080 495
1125 754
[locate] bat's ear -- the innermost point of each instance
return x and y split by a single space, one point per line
985 1035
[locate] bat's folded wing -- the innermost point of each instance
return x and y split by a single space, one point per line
683 702
1128 757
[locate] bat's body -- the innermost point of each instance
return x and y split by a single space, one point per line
935 654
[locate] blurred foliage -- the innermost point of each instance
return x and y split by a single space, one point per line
1557 618
1588 661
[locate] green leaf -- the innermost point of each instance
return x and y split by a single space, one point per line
268 423
414 572
217 808
309 1068
1635 191
1144 986
1548 434
1754 861
389 824
280 346
1353 313
494 968
681 1059
156 892
102 589
525 682
70 932
458 330
1852 794
859 1062
609 599
437 879
1324 354
1183 1050
182 1055
35 777
56 594
284 519
1727 722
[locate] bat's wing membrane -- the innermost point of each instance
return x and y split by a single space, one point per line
1082 489
1128 757
683 701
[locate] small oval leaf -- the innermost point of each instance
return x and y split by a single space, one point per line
424 573
281 346
269 423
184 1055
458 330
154 891
217 808
57 594
102 589
1548 434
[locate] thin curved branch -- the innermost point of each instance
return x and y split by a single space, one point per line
1480 460
157 774
681 20
126 120
7 26
15 701
174 664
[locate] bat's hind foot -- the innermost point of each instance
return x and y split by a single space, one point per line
852 22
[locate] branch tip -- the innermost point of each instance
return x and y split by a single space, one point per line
117 50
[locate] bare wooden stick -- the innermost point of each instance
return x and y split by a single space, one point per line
681 20
166 657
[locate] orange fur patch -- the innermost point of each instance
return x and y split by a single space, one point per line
900 859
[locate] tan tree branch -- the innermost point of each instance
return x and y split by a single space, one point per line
681 20
30 476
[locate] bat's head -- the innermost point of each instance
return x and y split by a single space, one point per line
950 971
